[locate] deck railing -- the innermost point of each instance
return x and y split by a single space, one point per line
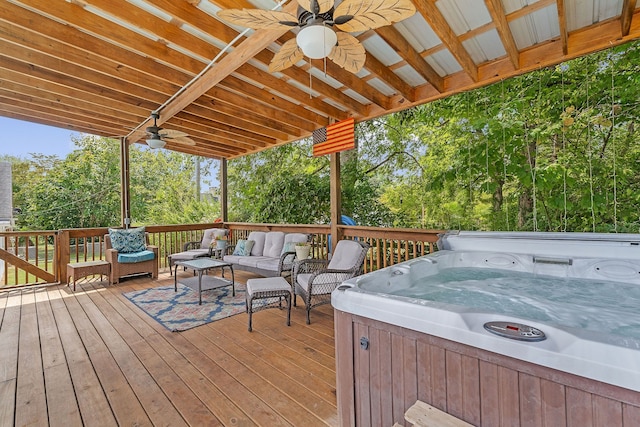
42 256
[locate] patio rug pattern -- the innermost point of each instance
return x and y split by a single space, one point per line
179 311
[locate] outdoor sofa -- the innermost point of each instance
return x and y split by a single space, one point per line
270 255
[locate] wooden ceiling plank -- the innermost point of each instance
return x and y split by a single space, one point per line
249 140
278 86
79 113
318 85
403 48
84 15
72 84
220 94
228 64
227 119
250 116
439 25
529 8
497 12
628 8
63 119
252 138
22 84
264 96
383 73
353 82
562 21
220 31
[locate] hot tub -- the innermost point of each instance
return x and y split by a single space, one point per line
559 309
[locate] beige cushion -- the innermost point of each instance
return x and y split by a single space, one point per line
258 247
273 242
346 254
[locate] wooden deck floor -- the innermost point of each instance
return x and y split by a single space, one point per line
93 358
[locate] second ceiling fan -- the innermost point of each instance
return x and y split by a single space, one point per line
317 19
158 137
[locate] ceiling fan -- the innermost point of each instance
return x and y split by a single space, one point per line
316 20
158 136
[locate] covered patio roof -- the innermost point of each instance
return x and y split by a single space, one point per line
102 66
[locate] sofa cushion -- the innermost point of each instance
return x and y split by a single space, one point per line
128 240
252 261
232 259
273 242
243 247
290 240
133 257
258 247
270 264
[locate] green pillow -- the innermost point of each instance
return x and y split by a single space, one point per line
129 240
243 247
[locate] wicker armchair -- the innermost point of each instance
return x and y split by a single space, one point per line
119 269
315 279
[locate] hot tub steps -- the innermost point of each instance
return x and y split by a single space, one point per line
424 415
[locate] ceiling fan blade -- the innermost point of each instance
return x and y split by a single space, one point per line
362 15
323 5
182 140
258 18
288 55
172 133
348 53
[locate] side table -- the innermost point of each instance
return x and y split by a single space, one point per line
88 268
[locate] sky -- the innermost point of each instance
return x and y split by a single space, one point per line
19 138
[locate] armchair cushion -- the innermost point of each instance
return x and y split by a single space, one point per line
129 258
128 240
348 254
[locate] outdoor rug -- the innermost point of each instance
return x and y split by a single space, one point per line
179 311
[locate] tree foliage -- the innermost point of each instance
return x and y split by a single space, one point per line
83 190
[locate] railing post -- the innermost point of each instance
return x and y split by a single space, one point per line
63 243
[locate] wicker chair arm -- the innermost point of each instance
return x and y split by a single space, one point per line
286 262
309 265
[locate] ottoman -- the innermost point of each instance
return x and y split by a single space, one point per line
267 293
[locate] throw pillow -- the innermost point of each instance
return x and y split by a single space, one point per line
129 240
243 247
289 247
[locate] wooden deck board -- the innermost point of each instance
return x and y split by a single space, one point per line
91 357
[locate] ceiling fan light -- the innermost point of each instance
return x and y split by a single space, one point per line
155 142
316 41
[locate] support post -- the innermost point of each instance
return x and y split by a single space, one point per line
224 213
125 201
336 200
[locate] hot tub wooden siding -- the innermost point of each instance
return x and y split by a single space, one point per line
376 386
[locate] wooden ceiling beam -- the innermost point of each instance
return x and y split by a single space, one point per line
381 71
79 113
279 86
216 29
529 8
253 139
28 86
394 39
431 14
497 12
62 119
103 29
263 96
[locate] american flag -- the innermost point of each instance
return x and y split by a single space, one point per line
332 139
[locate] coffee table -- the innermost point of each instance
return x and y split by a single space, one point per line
205 282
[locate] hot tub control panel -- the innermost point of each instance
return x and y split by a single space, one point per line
515 331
